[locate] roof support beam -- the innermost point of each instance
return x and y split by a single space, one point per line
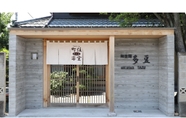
93 32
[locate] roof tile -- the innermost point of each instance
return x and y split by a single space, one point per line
39 22
83 23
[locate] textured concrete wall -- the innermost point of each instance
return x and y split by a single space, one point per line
166 75
25 74
136 88
34 74
16 75
182 84
2 83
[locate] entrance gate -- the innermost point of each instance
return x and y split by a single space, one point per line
77 84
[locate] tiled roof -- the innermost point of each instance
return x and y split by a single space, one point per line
49 22
35 23
82 23
147 23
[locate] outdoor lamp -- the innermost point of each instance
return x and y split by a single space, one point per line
34 55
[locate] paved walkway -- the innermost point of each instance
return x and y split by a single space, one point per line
89 112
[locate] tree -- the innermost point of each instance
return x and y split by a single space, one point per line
175 20
5 19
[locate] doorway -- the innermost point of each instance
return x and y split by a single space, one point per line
77 84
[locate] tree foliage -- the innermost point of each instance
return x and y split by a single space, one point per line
174 20
126 19
178 21
5 19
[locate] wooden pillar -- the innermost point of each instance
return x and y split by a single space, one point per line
48 85
111 76
45 83
77 84
107 78
107 85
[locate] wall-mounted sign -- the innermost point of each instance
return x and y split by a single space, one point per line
127 67
126 56
135 61
132 67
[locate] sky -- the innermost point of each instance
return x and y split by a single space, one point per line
29 15
42 8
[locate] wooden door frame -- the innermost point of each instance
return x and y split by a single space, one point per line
46 75
46 78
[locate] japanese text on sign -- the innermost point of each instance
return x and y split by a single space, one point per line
76 53
135 61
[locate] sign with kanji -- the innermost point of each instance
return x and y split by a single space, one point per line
76 54
135 60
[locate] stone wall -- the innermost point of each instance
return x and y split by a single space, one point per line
2 83
16 75
136 85
182 84
34 74
166 75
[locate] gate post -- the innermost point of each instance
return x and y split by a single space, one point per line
182 84
111 76
2 83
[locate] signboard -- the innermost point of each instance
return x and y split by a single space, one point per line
135 60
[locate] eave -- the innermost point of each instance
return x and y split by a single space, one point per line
91 32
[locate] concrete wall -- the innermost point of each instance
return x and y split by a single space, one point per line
136 88
2 83
166 75
25 74
149 88
34 74
16 75
182 84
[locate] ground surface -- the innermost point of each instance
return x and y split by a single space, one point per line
87 112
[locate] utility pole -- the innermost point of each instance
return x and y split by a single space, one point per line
16 16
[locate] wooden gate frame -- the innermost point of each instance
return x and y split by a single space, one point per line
109 74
